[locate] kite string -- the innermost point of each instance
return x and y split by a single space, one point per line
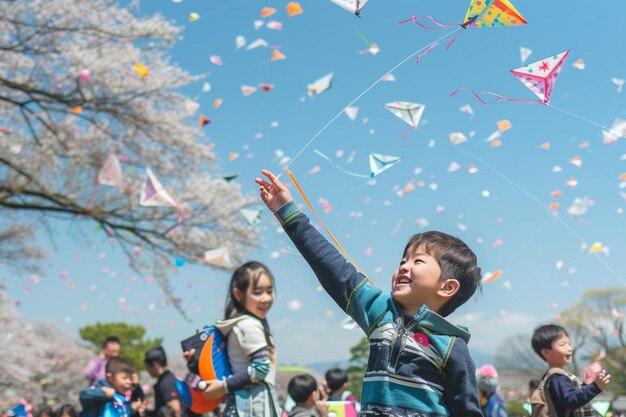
319 132
532 197
579 117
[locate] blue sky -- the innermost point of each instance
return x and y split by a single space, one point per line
510 230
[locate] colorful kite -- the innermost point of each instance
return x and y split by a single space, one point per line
153 194
539 76
480 14
411 113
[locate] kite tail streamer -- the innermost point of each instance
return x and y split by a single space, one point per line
340 168
498 99
416 19
433 45
308 203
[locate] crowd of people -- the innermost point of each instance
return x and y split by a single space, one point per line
419 363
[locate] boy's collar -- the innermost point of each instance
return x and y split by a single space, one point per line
434 322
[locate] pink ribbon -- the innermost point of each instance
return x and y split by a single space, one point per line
499 97
416 19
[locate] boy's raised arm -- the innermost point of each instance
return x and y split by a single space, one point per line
339 278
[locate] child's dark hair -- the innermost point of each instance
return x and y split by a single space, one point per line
111 339
165 411
335 378
244 276
156 355
66 410
455 259
543 336
44 411
301 387
534 383
116 365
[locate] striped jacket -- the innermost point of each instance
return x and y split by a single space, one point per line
418 366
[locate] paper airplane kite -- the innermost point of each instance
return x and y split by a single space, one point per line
411 113
111 173
380 163
218 257
321 85
153 194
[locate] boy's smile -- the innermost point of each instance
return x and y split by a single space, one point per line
416 281
561 352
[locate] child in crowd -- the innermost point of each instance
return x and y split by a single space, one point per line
304 391
107 397
66 410
250 346
165 392
419 363
337 387
563 390
491 403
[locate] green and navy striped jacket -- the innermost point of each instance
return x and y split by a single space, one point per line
418 366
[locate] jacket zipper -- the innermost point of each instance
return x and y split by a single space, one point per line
395 350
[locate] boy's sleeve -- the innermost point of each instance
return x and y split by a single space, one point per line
349 288
460 390
92 397
565 393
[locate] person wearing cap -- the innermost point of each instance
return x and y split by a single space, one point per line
490 402
165 392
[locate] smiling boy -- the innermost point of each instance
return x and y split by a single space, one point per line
562 389
419 364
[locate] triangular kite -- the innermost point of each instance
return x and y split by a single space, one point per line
111 173
351 112
321 85
489 13
524 53
541 75
153 194
409 112
218 257
252 216
380 163
353 6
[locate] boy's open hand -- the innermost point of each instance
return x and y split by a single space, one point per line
274 193
322 408
602 379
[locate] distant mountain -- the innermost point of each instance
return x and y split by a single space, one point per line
322 367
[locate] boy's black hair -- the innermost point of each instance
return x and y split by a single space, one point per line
335 378
66 409
455 259
543 336
116 365
111 339
156 354
301 387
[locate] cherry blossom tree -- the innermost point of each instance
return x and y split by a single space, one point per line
81 81
40 363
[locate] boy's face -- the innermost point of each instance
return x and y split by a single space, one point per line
416 281
561 352
120 381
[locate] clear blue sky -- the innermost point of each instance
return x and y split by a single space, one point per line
372 221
